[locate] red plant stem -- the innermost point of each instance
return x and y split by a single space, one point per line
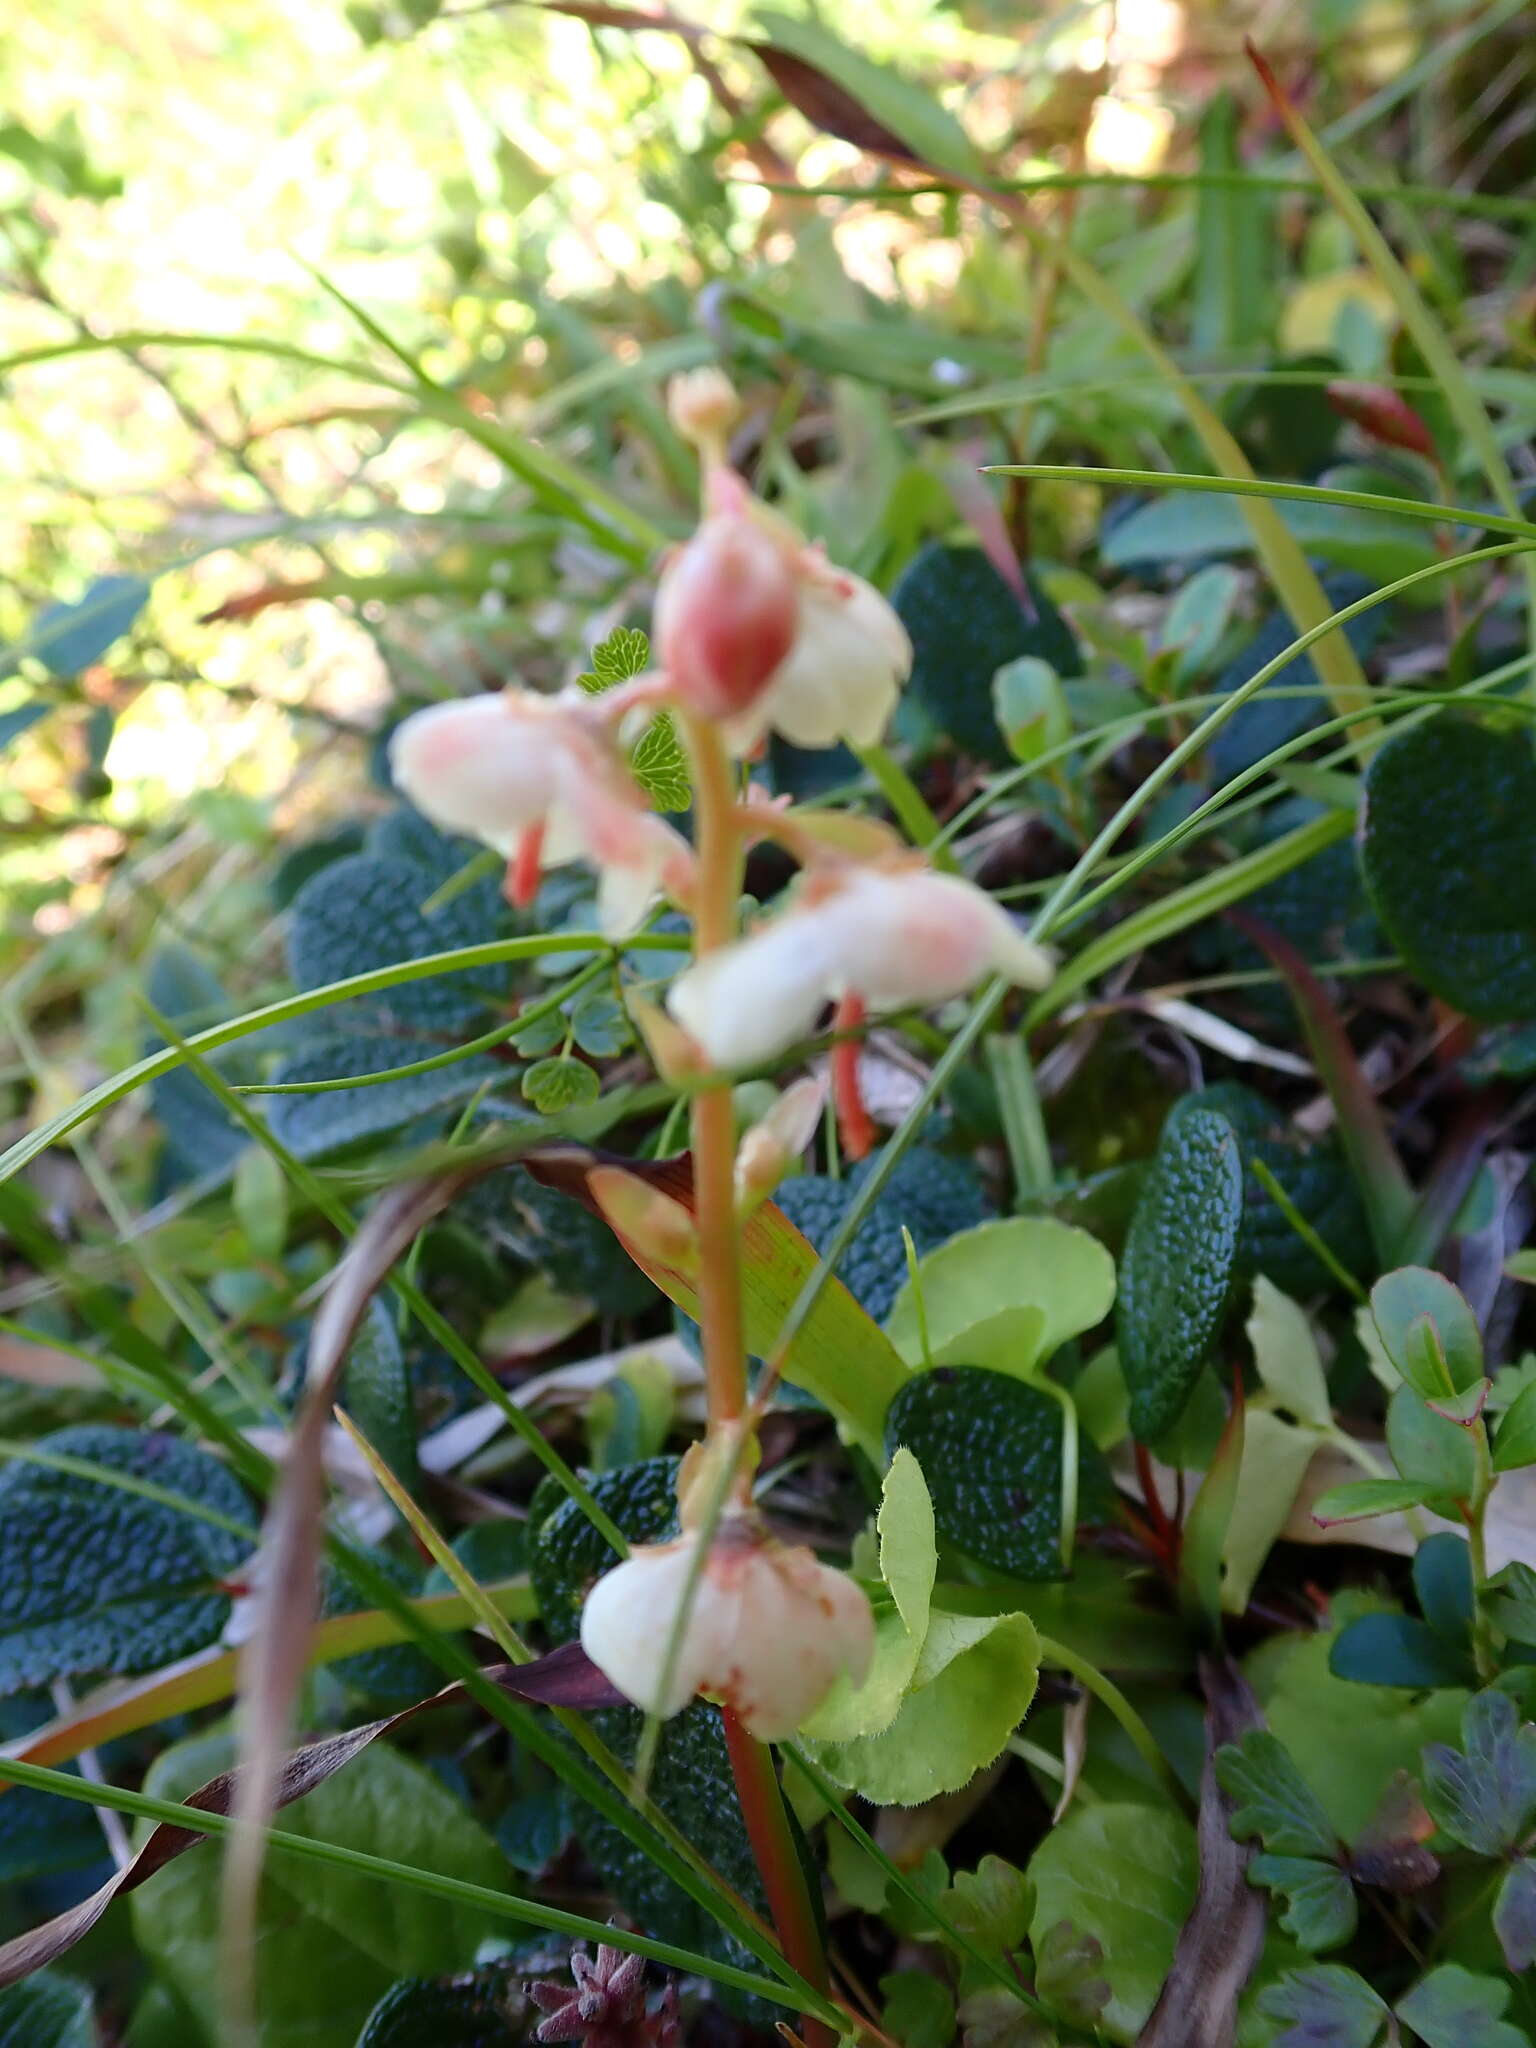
778 1859
718 844
713 1117
1167 1534
853 1119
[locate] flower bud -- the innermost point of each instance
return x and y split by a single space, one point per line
725 614
703 406
889 936
770 1147
769 1631
1384 414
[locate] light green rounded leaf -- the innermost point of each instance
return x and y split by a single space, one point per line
974 1683
1126 1875
1021 1285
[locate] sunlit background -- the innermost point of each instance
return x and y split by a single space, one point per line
523 207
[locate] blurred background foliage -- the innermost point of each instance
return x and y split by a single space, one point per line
397 239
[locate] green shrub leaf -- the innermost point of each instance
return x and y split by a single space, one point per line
1449 853
419 2012
1124 1874
1332 2008
325 1953
1452 2008
966 624
1007 1294
94 1578
1484 1794
46 2012
1180 1256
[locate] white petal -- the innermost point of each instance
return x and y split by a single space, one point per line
750 1001
627 1624
795 1627
917 937
842 677
475 767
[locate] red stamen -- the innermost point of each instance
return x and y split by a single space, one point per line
853 1120
525 867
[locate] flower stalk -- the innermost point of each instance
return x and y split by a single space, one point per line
716 886
756 631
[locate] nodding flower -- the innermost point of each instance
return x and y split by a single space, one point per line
756 628
872 938
539 780
769 1630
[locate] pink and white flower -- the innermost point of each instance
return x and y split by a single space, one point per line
756 628
769 1630
538 779
889 937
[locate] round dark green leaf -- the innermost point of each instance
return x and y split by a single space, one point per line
990 1446
965 625
1449 852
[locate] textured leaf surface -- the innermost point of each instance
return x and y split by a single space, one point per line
364 912
330 1942
929 1194
1315 1178
376 1391
990 1447
97 1579
1177 1270
965 625
420 2013
46 2012
324 1122
1449 853
1126 1875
